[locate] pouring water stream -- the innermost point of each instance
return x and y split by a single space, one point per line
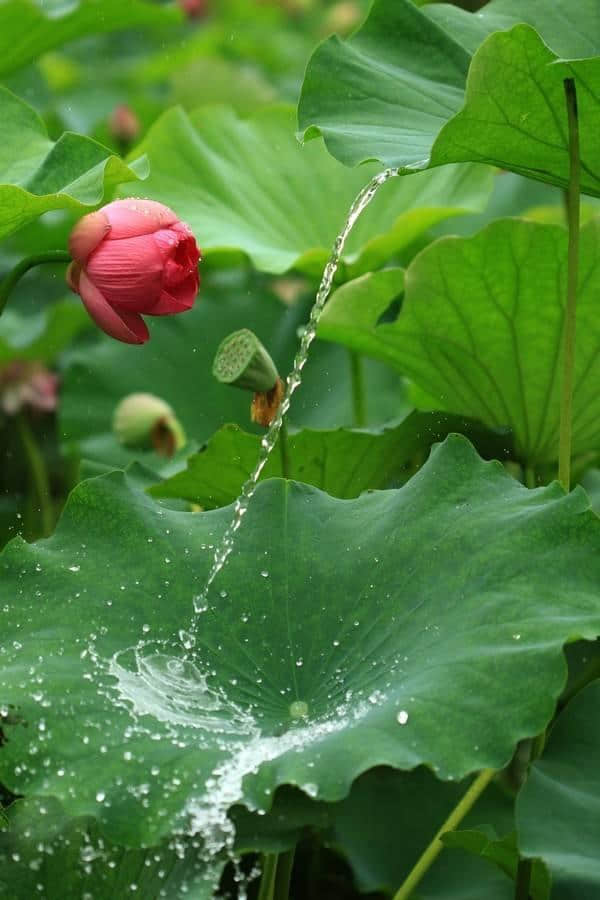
172 690
294 379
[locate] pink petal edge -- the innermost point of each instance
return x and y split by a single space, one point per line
89 232
124 326
133 217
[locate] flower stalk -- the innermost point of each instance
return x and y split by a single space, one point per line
431 853
566 404
15 275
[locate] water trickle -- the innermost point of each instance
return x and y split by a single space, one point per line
174 691
294 379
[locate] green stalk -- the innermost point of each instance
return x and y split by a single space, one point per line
283 875
359 402
436 846
7 285
284 450
38 472
267 881
564 447
523 879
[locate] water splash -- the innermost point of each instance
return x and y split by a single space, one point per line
209 812
294 379
175 691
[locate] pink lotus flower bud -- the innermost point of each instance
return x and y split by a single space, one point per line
27 384
133 257
194 9
123 123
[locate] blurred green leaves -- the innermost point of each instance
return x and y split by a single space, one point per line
29 28
37 174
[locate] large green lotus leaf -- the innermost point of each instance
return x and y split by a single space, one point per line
29 28
402 624
37 174
176 365
557 810
397 94
480 330
344 462
247 184
44 335
44 853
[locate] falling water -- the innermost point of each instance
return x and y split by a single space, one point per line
174 691
294 379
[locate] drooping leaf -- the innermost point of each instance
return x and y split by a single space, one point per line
502 852
29 28
44 853
480 329
411 807
398 94
343 462
454 591
247 184
382 849
37 174
557 810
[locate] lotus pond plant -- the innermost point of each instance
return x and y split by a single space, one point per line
344 643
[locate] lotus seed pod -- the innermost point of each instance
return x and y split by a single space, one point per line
243 362
144 420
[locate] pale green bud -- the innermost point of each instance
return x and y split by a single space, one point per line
145 421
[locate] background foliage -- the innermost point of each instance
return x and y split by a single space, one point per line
420 602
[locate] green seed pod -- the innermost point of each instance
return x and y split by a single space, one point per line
144 420
243 362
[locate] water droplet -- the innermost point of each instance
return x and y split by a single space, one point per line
298 709
188 640
311 789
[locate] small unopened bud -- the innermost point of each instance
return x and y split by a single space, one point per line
123 123
145 421
194 9
243 362
343 17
